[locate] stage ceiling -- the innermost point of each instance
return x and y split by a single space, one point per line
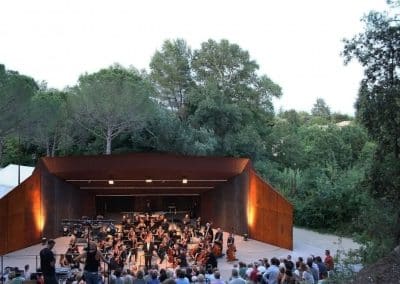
130 174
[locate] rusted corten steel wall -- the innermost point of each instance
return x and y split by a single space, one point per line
63 201
269 214
35 208
225 205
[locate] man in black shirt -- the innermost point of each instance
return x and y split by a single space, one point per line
148 249
92 258
47 263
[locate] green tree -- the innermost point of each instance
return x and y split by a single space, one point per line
171 72
378 103
49 120
287 147
230 68
165 132
377 48
321 109
110 102
231 99
15 93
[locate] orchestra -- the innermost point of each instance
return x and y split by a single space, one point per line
174 243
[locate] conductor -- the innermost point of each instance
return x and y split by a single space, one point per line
148 249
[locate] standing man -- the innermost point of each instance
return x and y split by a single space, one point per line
148 249
329 263
208 232
47 263
219 237
92 258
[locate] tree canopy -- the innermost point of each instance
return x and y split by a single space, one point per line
111 101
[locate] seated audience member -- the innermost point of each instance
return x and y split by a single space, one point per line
306 274
217 278
235 279
272 272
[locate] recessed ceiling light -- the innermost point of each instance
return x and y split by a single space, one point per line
184 180
148 180
110 181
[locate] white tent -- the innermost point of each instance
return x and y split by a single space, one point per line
9 177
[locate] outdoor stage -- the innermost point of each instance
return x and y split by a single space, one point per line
224 190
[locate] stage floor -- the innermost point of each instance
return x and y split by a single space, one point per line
305 243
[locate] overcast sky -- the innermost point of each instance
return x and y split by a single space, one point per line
297 43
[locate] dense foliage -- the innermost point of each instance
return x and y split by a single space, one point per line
213 101
378 105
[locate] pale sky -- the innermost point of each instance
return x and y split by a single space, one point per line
296 43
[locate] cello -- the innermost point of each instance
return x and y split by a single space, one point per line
231 250
217 249
203 257
231 253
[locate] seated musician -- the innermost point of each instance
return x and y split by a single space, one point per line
141 224
136 219
124 220
152 226
181 260
211 259
174 255
185 239
159 233
131 234
199 252
63 261
165 224
142 235
128 224
186 220
231 240
231 248
197 228
193 251
198 223
102 233
173 234
71 253
162 250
